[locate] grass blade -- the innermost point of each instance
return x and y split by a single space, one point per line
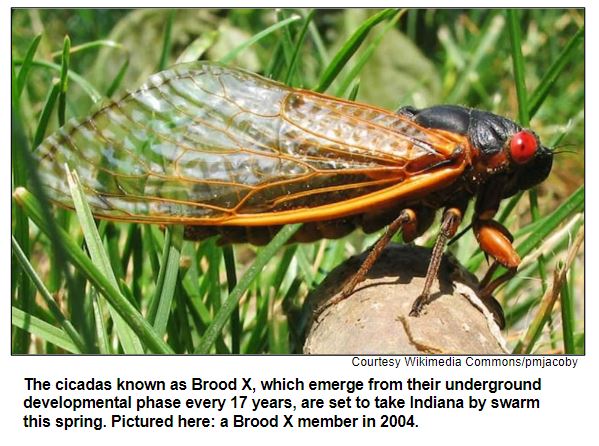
367 54
286 38
484 45
548 301
265 254
166 41
101 332
155 302
550 222
349 49
88 88
513 19
196 49
262 34
556 68
47 332
87 267
168 291
26 65
75 337
353 92
25 165
118 79
167 281
558 242
321 50
568 319
291 68
91 45
23 297
64 72
229 258
42 124
130 342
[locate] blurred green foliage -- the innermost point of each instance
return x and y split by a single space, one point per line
426 57
431 56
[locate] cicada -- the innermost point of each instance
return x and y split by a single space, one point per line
228 153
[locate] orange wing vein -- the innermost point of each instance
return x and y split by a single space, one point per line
202 144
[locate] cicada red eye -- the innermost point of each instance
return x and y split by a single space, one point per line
523 147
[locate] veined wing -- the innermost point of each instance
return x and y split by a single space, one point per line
205 144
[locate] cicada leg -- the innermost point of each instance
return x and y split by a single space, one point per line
488 286
452 217
407 220
496 241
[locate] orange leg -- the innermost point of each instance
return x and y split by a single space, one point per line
488 286
451 221
495 240
407 218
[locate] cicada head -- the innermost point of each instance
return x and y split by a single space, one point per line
505 149
502 151
535 169
523 162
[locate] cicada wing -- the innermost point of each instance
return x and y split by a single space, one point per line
202 144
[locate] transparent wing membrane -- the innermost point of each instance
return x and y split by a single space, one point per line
201 144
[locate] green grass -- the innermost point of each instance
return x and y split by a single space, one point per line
79 285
